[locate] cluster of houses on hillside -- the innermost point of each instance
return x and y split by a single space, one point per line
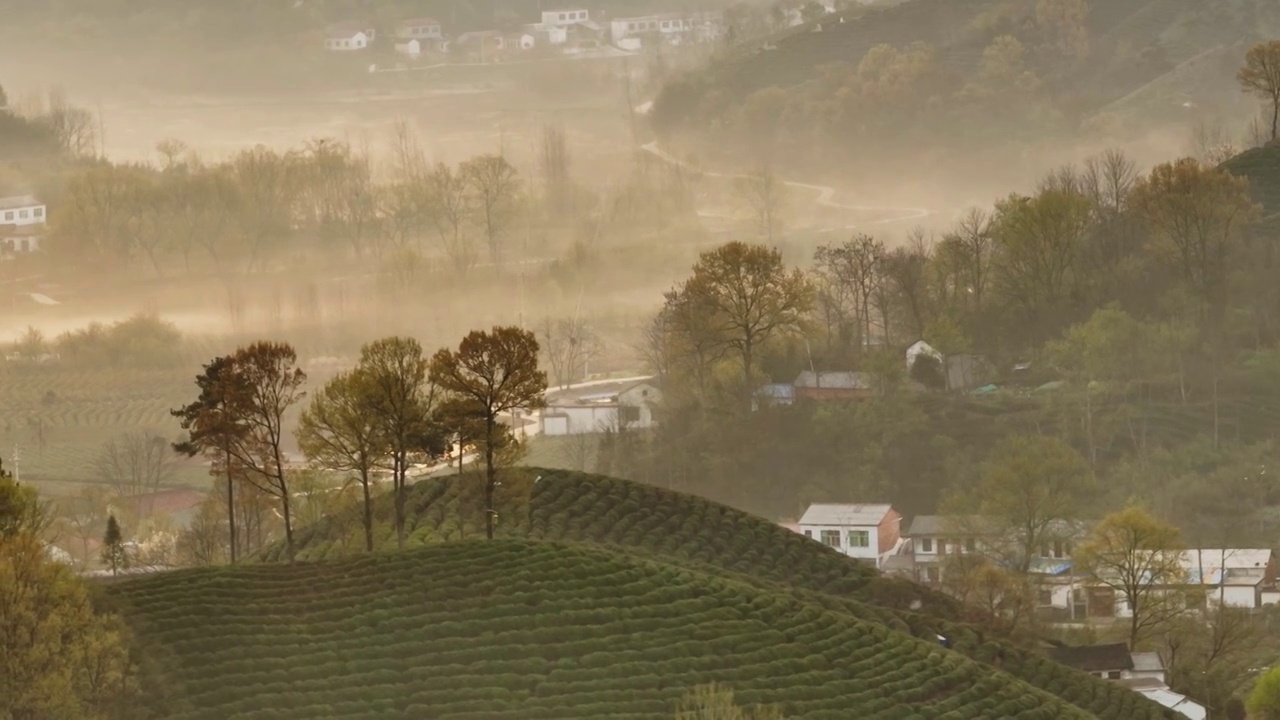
568 31
1235 577
22 224
876 533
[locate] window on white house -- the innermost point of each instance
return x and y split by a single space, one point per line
629 414
1113 675
1044 598
39 212
808 534
859 538
831 538
564 16
926 545
24 214
931 574
1059 550
8 215
970 545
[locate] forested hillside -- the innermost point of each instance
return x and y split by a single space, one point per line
952 80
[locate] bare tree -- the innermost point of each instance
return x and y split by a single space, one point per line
555 168
854 266
569 346
137 462
1260 77
450 212
494 186
766 195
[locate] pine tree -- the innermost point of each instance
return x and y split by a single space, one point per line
113 553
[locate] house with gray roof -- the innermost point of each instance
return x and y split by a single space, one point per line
865 532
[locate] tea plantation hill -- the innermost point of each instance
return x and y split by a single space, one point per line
521 630
708 538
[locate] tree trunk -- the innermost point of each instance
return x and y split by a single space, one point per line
1275 118
288 522
490 478
231 509
397 481
368 511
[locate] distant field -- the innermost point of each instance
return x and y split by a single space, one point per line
58 419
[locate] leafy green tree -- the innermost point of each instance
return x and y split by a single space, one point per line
394 374
491 373
1031 490
1139 557
113 551
60 659
342 431
1264 699
1198 216
1260 77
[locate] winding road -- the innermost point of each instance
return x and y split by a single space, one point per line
826 194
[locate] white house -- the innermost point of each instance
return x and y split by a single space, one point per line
564 17
866 532
423 28
22 223
412 48
596 408
346 37
670 28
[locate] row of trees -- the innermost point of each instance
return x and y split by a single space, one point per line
1176 247
236 213
395 408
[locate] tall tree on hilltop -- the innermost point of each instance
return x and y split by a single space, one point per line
252 390
491 373
403 402
1260 77
341 431
751 297
214 426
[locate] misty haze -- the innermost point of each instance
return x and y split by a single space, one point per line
640 359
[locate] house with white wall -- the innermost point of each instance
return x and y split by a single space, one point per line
866 532
668 28
22 223
596 408
565 16
347 37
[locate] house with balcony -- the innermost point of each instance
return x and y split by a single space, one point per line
866 532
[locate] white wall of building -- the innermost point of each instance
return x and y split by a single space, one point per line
358 41
578 419
850 539
564 17
33 214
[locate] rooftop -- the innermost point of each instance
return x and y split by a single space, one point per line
1094 658
1147 662
603 393
841 514
19 201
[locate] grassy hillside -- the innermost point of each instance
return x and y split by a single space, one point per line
708 538
524 630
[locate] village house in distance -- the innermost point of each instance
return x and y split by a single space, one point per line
22 224
627 404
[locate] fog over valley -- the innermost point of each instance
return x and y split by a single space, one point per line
721 359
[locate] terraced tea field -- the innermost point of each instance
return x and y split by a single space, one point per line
521 630
707 538
59 418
